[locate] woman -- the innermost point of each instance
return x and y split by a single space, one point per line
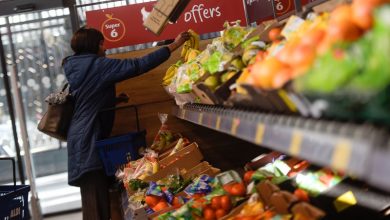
92 79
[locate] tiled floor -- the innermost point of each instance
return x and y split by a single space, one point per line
68 216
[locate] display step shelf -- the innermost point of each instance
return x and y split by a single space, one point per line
362 151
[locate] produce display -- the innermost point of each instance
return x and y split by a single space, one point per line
176 184
212 66
329 56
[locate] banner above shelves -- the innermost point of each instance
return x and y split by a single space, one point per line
123 26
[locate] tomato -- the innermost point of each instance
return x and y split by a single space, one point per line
220 213
216 202
209 214
160 206
226 203
152 200
301 195
228 187
274 34
248 176
238 189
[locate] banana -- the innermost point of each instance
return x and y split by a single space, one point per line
184 50
192 43
156 167
170 74
195 39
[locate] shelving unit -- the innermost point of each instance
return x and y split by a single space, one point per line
361 151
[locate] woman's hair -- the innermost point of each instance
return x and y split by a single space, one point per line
86 40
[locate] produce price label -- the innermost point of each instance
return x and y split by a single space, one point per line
123 26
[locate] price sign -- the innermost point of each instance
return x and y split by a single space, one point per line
261 10
283 7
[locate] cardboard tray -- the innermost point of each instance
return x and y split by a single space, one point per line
273 100
219 96
186 158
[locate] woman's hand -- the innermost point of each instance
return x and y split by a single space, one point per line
180 39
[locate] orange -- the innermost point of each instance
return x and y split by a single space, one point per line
345 30
160 206
176 202
302 57
281 78
152 200
314 37
274 34
340 13
362 13
341 25
263 72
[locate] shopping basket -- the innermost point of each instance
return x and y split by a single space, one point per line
119 150
14 199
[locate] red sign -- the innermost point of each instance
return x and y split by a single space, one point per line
261 10
123 26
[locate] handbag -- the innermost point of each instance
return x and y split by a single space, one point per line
56 120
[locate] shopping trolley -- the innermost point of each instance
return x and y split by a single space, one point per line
14 199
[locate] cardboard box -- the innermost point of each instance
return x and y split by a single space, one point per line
156 21
163 11
201 169
166 7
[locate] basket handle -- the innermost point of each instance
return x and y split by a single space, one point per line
124 107
13 167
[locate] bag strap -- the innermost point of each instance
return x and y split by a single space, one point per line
65 86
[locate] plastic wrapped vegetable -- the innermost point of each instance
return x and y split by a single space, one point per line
234 35
164 136
142 168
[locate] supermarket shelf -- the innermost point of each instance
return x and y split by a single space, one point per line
362 151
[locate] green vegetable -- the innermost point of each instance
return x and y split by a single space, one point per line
185 88
135 184
249 41
213 63
375 48
330 72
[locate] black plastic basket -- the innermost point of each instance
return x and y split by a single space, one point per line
14 199
119 150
